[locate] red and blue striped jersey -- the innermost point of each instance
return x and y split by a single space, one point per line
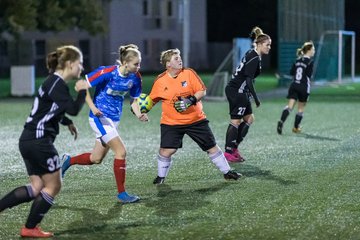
111 89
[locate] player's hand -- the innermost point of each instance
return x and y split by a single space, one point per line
184 103
143 117
81 85
73 130
257 103
96 112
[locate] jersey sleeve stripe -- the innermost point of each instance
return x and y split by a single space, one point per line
198 77
92 77
251 60
54 84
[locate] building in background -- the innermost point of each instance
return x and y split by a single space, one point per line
153 25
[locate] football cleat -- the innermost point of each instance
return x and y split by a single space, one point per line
159 180
279 127
233 157
237 154
230 157
296 130
65 164
124 197
35 233
232 175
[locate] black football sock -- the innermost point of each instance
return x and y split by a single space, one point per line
231 135
242 131
285 114
298 118
17 196
39 208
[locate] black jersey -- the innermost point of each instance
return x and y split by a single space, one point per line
302 70
245 74
51 103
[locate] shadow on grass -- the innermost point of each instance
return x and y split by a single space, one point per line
317 137
253 171
92 224
169 202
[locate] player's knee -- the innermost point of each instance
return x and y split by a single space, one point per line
214 150
35 191
289 109
250 119
167 152
120 154
57 189
96 159
235 122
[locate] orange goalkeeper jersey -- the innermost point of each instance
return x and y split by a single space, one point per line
168 90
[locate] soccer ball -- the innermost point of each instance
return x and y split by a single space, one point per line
145 103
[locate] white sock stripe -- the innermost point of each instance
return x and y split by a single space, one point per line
215 155
47 197
287 108
220 162
29 190
163 159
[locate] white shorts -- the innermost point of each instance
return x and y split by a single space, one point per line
104 128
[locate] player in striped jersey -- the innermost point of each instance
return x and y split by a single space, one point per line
41 158
240 90
299 89
112 84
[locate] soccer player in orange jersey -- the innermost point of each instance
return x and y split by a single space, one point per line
180 90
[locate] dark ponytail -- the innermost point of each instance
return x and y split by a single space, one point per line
52 62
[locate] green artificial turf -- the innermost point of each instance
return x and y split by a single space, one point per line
294 186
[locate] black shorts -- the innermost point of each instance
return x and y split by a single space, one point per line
239 103
200 132
299 92
40 156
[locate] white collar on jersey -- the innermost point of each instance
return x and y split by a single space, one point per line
59 75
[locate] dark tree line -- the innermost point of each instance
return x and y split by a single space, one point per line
17 16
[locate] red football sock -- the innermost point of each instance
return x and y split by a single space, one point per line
119 171
82 159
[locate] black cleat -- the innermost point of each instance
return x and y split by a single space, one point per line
232 175
159 180
279 127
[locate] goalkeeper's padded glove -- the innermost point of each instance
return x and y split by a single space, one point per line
184 103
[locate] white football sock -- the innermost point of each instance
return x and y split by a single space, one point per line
164 165
220 162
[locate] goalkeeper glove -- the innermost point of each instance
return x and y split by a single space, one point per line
184 103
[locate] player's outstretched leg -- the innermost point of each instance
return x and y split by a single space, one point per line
220 162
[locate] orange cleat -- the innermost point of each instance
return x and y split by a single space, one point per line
35 233
296 130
